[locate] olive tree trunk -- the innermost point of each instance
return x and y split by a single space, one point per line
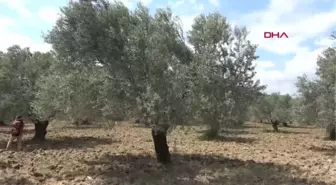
275 125
331 132
285 124
40 130
161 145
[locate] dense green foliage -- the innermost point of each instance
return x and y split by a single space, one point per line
112 63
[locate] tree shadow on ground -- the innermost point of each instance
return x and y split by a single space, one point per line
17 180
194 169
298 126
230 131
229 138
236 132
62 143
227 135
140 125
84 127
257 125
7 130
327 150
284 132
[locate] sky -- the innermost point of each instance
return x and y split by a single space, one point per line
308 24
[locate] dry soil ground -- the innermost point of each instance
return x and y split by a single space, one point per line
125 155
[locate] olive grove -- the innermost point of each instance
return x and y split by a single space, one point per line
110 63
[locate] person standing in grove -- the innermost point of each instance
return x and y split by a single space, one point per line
16 132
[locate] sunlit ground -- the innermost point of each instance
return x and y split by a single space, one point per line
125 155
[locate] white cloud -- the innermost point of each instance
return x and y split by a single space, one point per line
19 7
304 62
146 2
301 26
325 42
23 41
264 65
178 3
200 7
187 21
214 2
275 80
127 3
286 16
9 38
6 22
48 14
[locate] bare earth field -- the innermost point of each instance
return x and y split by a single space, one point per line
125 155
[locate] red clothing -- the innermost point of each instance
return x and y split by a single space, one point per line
17 128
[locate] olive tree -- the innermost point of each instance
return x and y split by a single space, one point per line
225 71
309 93
145 59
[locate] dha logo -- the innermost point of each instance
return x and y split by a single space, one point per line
271 35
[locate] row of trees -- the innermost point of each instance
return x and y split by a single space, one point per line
318 96
272 107
315 103
111 63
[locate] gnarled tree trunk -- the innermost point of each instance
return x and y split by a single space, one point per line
40 130
161 145
41 126
285 124
331 132
275 125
